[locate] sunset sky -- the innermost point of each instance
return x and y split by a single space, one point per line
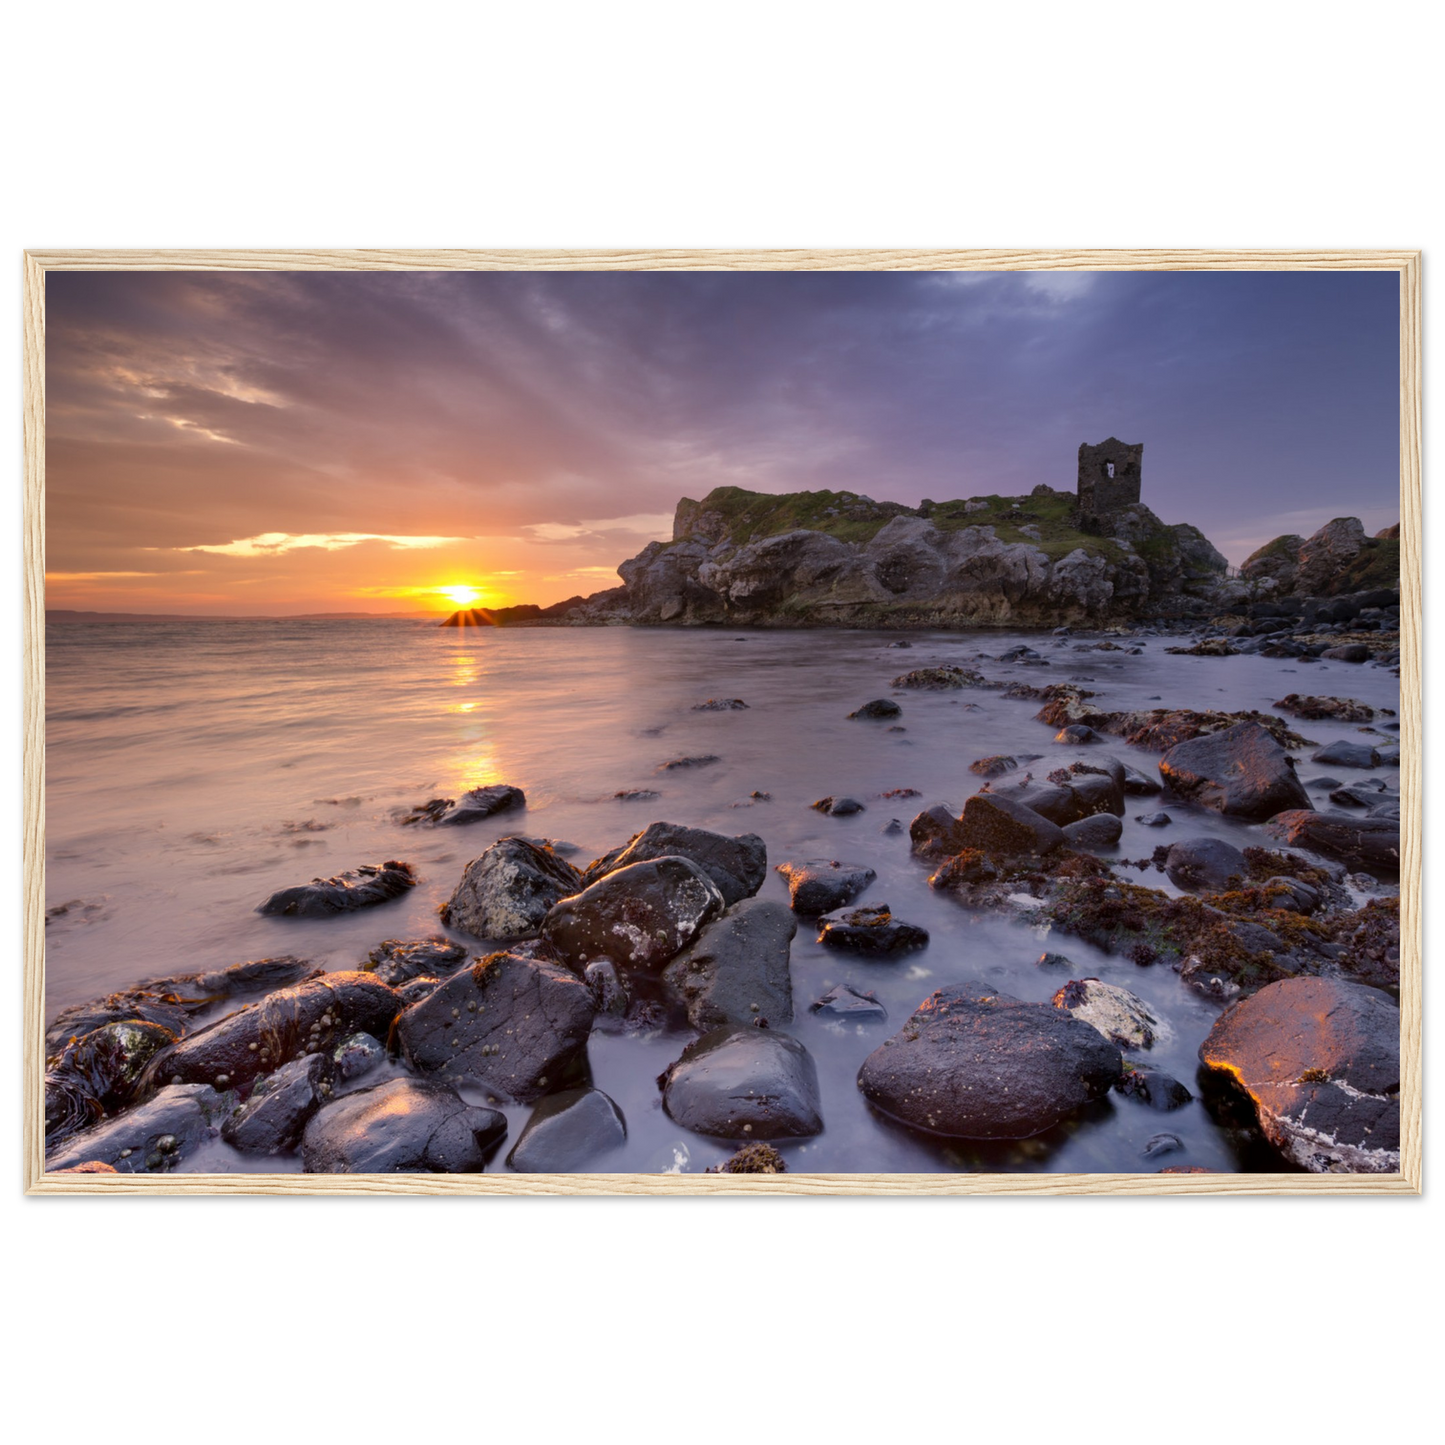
308 442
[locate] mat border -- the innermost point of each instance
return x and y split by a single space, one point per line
1406 262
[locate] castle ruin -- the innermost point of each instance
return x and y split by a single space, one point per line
1109 481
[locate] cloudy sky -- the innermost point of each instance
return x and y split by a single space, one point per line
299 442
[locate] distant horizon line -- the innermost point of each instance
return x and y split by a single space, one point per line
238 616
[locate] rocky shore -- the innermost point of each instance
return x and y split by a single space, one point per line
408 1061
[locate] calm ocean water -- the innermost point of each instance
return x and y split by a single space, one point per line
195 768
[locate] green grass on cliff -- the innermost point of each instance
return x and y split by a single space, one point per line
754 515
1376 564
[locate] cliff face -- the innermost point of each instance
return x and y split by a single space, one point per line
835 559
1336 560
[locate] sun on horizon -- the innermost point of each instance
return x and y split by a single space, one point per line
462 595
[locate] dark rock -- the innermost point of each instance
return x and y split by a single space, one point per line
738 1083
1364 794
1139 785
404 1126
892 828
1347 755
846 1004
356 1054
1313 709
1102 830
838 807
879 707
98 1074
980 1065
258 975
993 823
637 795
309 1018
1324 784
397 961
720 704
1350 652
1076 734
1241 771
609 990
1371 843
991 767
1206 865
481 803
1153 1087
737 865
1320 1060
698 760
363 887
936 833
417 989
568 1131
870 930
938 679
761 1158
640 916
1053 960
154 1137
508 891
272 1119
1154 820
512 1024
738 970
819 885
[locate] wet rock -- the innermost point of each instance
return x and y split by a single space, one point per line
284 1025
609 991
939 679
738 1083
397 961
568 1131
892 828
1161 1144
257 975
1102 830
978 1065
1366 793
640 916
738 970
509 890
356 1054
737 865
721 704
1154 820
993 766
838 807
94 1167
870 930
1323 783
1320 1060
1139 785
417 989
879 707
404 1126
1349 652
1153 1087
1340 709
936 833
1324 557
272 1119
637 795
1053 960
1077 734
1370 843
512 1024
900 644
819 885
481 803
994 823
845 1004
98 1074
363 887
1122 1017
1347 755
697 760
154 1137
1242 772
761 1158
1206 865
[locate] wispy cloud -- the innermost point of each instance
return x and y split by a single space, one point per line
274 544
652 525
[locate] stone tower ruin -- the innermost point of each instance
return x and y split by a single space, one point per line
1109 480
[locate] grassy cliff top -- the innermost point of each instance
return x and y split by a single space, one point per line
750 516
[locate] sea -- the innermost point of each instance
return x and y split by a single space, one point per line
195 767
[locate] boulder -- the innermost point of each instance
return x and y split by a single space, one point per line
1154 820
736 865
509 890
98 1074
640 916
994 823
1320 1060
978 1065
1153 1087
1371 843
307 1019
404 1126
992 767
759 1158
271 1121
512 1024
738 970
363 887
1345 754
838 807
845 1004
880 707
721 704
357 1054
396 961
610 995
819 885
568 1131
695 760
1077 734
1101 830
1347 652
1323 558
1122 1017
153 1137
870 930
1206 865
936 833
481 803
1139 785
744 1083
1241 771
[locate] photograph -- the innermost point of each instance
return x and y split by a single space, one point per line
901 723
